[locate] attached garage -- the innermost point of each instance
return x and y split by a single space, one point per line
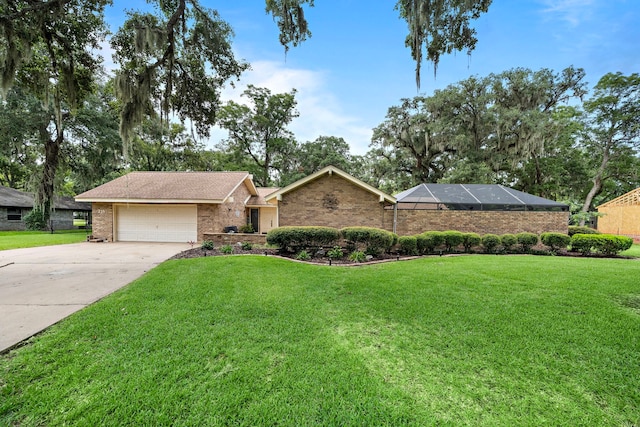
156 223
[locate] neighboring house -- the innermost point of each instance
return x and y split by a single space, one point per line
176 206
478 208
186 206
621 215
15 205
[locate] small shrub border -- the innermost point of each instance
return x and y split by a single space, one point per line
364 242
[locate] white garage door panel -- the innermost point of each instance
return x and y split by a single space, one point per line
149 223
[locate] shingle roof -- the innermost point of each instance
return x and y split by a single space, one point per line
259 200
19 199
475 196
213 187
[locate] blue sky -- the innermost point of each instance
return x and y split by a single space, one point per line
355 66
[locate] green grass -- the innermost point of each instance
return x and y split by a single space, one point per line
250 340
30 239
634 251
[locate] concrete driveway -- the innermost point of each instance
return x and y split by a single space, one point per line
41 286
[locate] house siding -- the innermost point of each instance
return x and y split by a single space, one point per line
621 220
214 218
102 214
330 201
411 222
61 219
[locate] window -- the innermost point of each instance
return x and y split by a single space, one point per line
14 214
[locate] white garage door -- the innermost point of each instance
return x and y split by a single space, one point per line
156 223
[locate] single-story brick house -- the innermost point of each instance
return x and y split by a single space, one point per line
186 206
621 215
15 205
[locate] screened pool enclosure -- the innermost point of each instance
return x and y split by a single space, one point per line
476 197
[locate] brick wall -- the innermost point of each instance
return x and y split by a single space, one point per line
412 222
102 227
234 238
330 201
213 218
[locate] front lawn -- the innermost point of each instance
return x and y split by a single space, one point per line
30 239
255 340
634 251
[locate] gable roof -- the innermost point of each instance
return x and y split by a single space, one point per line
329 170
170 187
632 198
475 197
259 200
12 198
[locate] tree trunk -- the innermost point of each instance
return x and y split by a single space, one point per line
597 184
44 196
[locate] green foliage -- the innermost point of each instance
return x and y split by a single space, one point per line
452 239
357 256
246 246
297 238
577 229
335 252
490 242
259 131
555 241
247 228
429 241
374 240
527 240
226 249
303 256
207 245
36 220
606 244
508 241
470 241
408 245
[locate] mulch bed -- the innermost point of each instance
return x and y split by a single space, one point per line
199 252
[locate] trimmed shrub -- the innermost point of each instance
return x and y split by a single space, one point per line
226 249
374 240
408 245
527 240
490 243
207 245
577 229
555 241
429 241
246 246
508 241
606 244
452 239
298 238
357 256
470 240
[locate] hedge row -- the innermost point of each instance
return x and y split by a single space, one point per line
374 241
371 240
607 244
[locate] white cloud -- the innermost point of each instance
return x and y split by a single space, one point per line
320 110
574 12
